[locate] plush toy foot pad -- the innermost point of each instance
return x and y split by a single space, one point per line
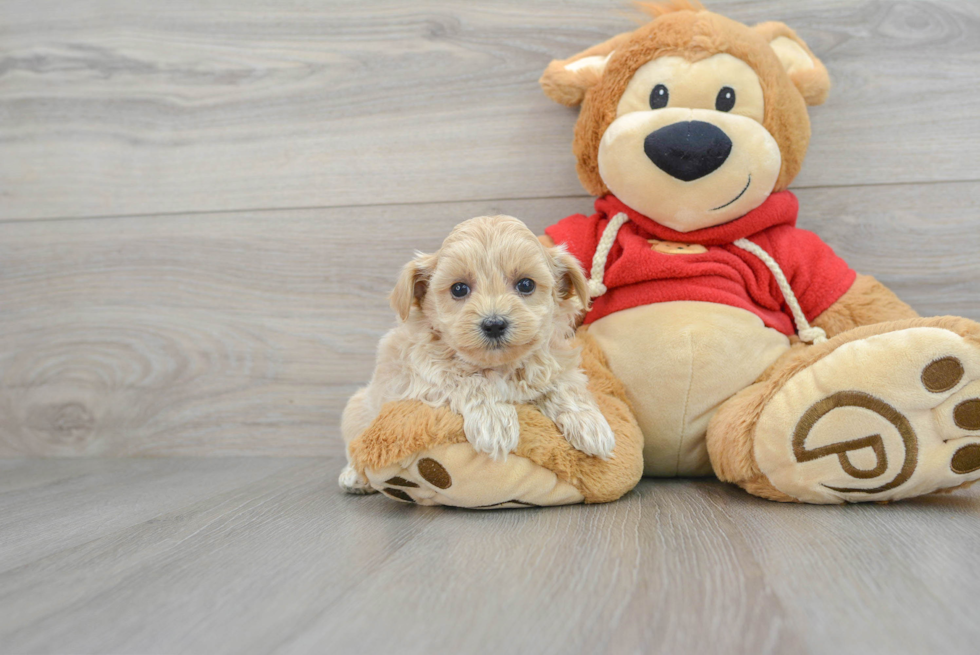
891 416
455 474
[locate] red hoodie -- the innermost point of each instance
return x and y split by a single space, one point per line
712 269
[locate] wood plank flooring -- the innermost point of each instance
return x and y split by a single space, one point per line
160 294
202 209
246 332
119 108
265 555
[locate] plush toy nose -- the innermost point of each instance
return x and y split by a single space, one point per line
689 150
494 327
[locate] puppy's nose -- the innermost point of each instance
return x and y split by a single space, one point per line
688 150
494 327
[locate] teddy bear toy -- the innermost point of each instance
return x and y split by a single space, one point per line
722 340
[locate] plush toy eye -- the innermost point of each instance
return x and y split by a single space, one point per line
659 97
525 287
726 99
460 290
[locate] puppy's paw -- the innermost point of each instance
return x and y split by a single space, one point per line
493 429
588 430
352 483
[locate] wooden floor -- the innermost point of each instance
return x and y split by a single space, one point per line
261 555
203 207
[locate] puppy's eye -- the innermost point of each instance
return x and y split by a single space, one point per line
460 290
726 99
525 286
659 97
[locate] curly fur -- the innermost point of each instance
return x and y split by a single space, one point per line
403 429
440 356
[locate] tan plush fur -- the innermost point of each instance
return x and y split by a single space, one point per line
868 301
657 9
406 428
568 88
731 431
685 30
813 84
443 355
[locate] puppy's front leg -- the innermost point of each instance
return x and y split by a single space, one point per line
356 418
352 482
575 413
492 427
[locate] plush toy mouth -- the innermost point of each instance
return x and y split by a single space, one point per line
747 185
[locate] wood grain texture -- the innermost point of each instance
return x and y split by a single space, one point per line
118 108
65 503
245 333
134 322
284 563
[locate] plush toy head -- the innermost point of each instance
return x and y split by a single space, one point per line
493 292
693 119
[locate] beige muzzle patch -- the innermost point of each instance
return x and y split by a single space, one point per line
739 185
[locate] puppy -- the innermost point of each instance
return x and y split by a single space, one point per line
486 323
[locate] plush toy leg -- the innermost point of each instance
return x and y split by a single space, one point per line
878 413
413 453
455 474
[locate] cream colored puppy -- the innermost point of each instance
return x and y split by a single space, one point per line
486 323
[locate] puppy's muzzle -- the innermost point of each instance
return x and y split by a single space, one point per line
689 150
495 328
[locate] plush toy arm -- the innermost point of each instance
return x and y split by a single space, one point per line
868 301
414 453
402 429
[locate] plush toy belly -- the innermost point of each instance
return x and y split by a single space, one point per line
679 361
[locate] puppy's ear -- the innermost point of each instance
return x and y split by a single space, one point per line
571 278
808 73
413 284
566 80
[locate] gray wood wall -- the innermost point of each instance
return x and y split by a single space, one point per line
203 207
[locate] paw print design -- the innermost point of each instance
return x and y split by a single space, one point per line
905 422
457 475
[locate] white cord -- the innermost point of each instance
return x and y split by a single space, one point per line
596 287
808 333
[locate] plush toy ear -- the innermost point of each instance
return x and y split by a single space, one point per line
808 73
571 278
566 80
412 285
